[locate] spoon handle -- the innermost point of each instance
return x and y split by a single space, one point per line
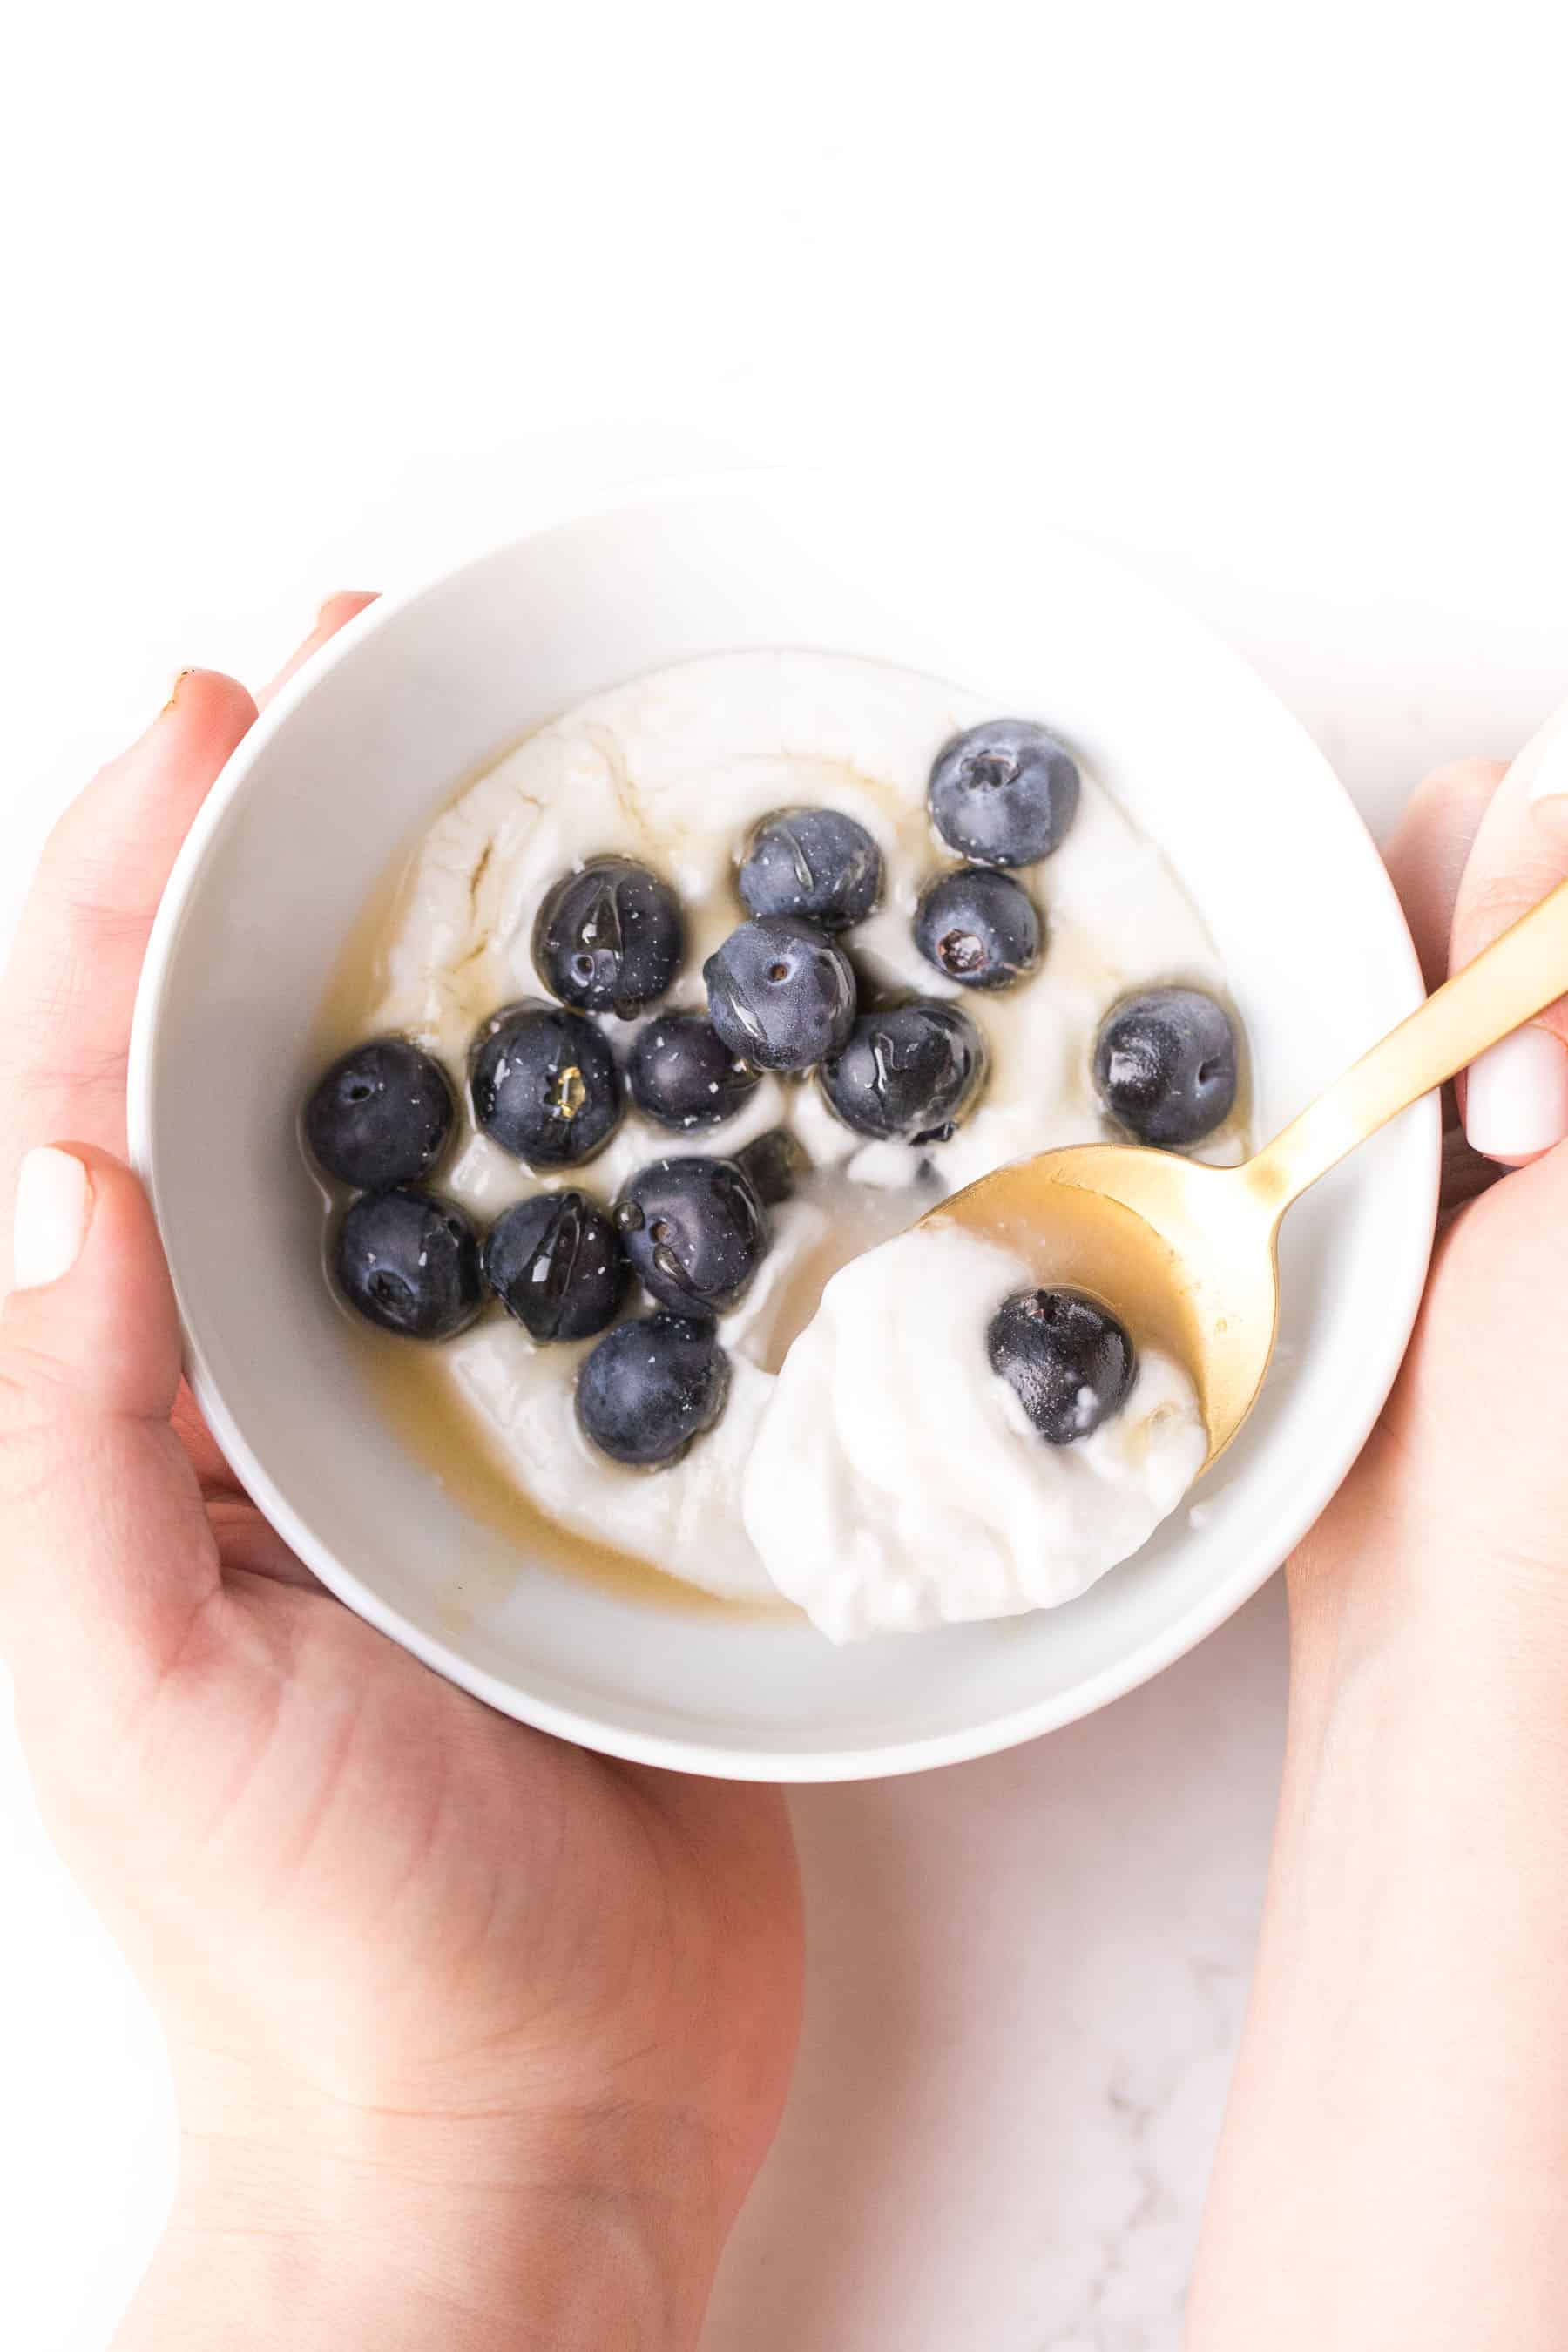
1518 976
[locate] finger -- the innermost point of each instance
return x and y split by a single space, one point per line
66 999
245 1539
1426 859
248 1546
335 613
1430 849
1516 1096
107 1562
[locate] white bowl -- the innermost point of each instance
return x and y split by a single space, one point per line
372 739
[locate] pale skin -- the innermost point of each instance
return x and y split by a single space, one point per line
1395 2156
478 2040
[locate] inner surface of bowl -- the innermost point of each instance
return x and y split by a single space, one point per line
347 766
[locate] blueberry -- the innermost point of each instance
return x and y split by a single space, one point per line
780 995
695 1231
815 863
649 1388
979 927
683 1074
1166 1064
1069 1362
910 1073
775 1163
555 1262
545 1085
381 1116
609 937
1004 793
410 1263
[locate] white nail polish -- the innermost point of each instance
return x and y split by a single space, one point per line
1516 1097
53 1199
1545 759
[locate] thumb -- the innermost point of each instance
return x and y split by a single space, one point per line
106 1556
1516 1096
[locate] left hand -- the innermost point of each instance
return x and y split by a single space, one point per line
477 2039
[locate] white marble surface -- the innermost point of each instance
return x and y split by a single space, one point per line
1267 301
1026 1981
1026 1975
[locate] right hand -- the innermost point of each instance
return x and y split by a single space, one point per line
1516 1098
1392 2169
1468 1456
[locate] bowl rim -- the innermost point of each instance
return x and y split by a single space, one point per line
1247 1573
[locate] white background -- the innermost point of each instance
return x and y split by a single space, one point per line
1268 296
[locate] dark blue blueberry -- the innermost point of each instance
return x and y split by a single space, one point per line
555 1262
815 863
545 1085
381 1116
780 995
410 1263
694 1231
609 937
908 1074
1069 1362
1166 1064
649 1388
683 1074
979 927
775 1163
1004 793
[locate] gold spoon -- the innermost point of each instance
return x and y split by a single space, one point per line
1188 1253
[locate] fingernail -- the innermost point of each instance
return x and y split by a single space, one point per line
1516 1097
338 596
180 677
1547 758
54 1202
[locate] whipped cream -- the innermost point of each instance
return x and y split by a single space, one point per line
894 1481
675 769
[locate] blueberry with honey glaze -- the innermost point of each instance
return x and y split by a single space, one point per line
1004 793
776 1162
609 938
409 1262
545 1085
682 1075
815 863
979 927
780 993
695 1231
381 1116
910 1073
649 1388
1068 1360
1165 1065
556 1264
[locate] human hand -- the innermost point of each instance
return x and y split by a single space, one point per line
1467 1463
476 2038
1393 2169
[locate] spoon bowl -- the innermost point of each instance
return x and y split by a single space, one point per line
1184 1254
1187 1256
